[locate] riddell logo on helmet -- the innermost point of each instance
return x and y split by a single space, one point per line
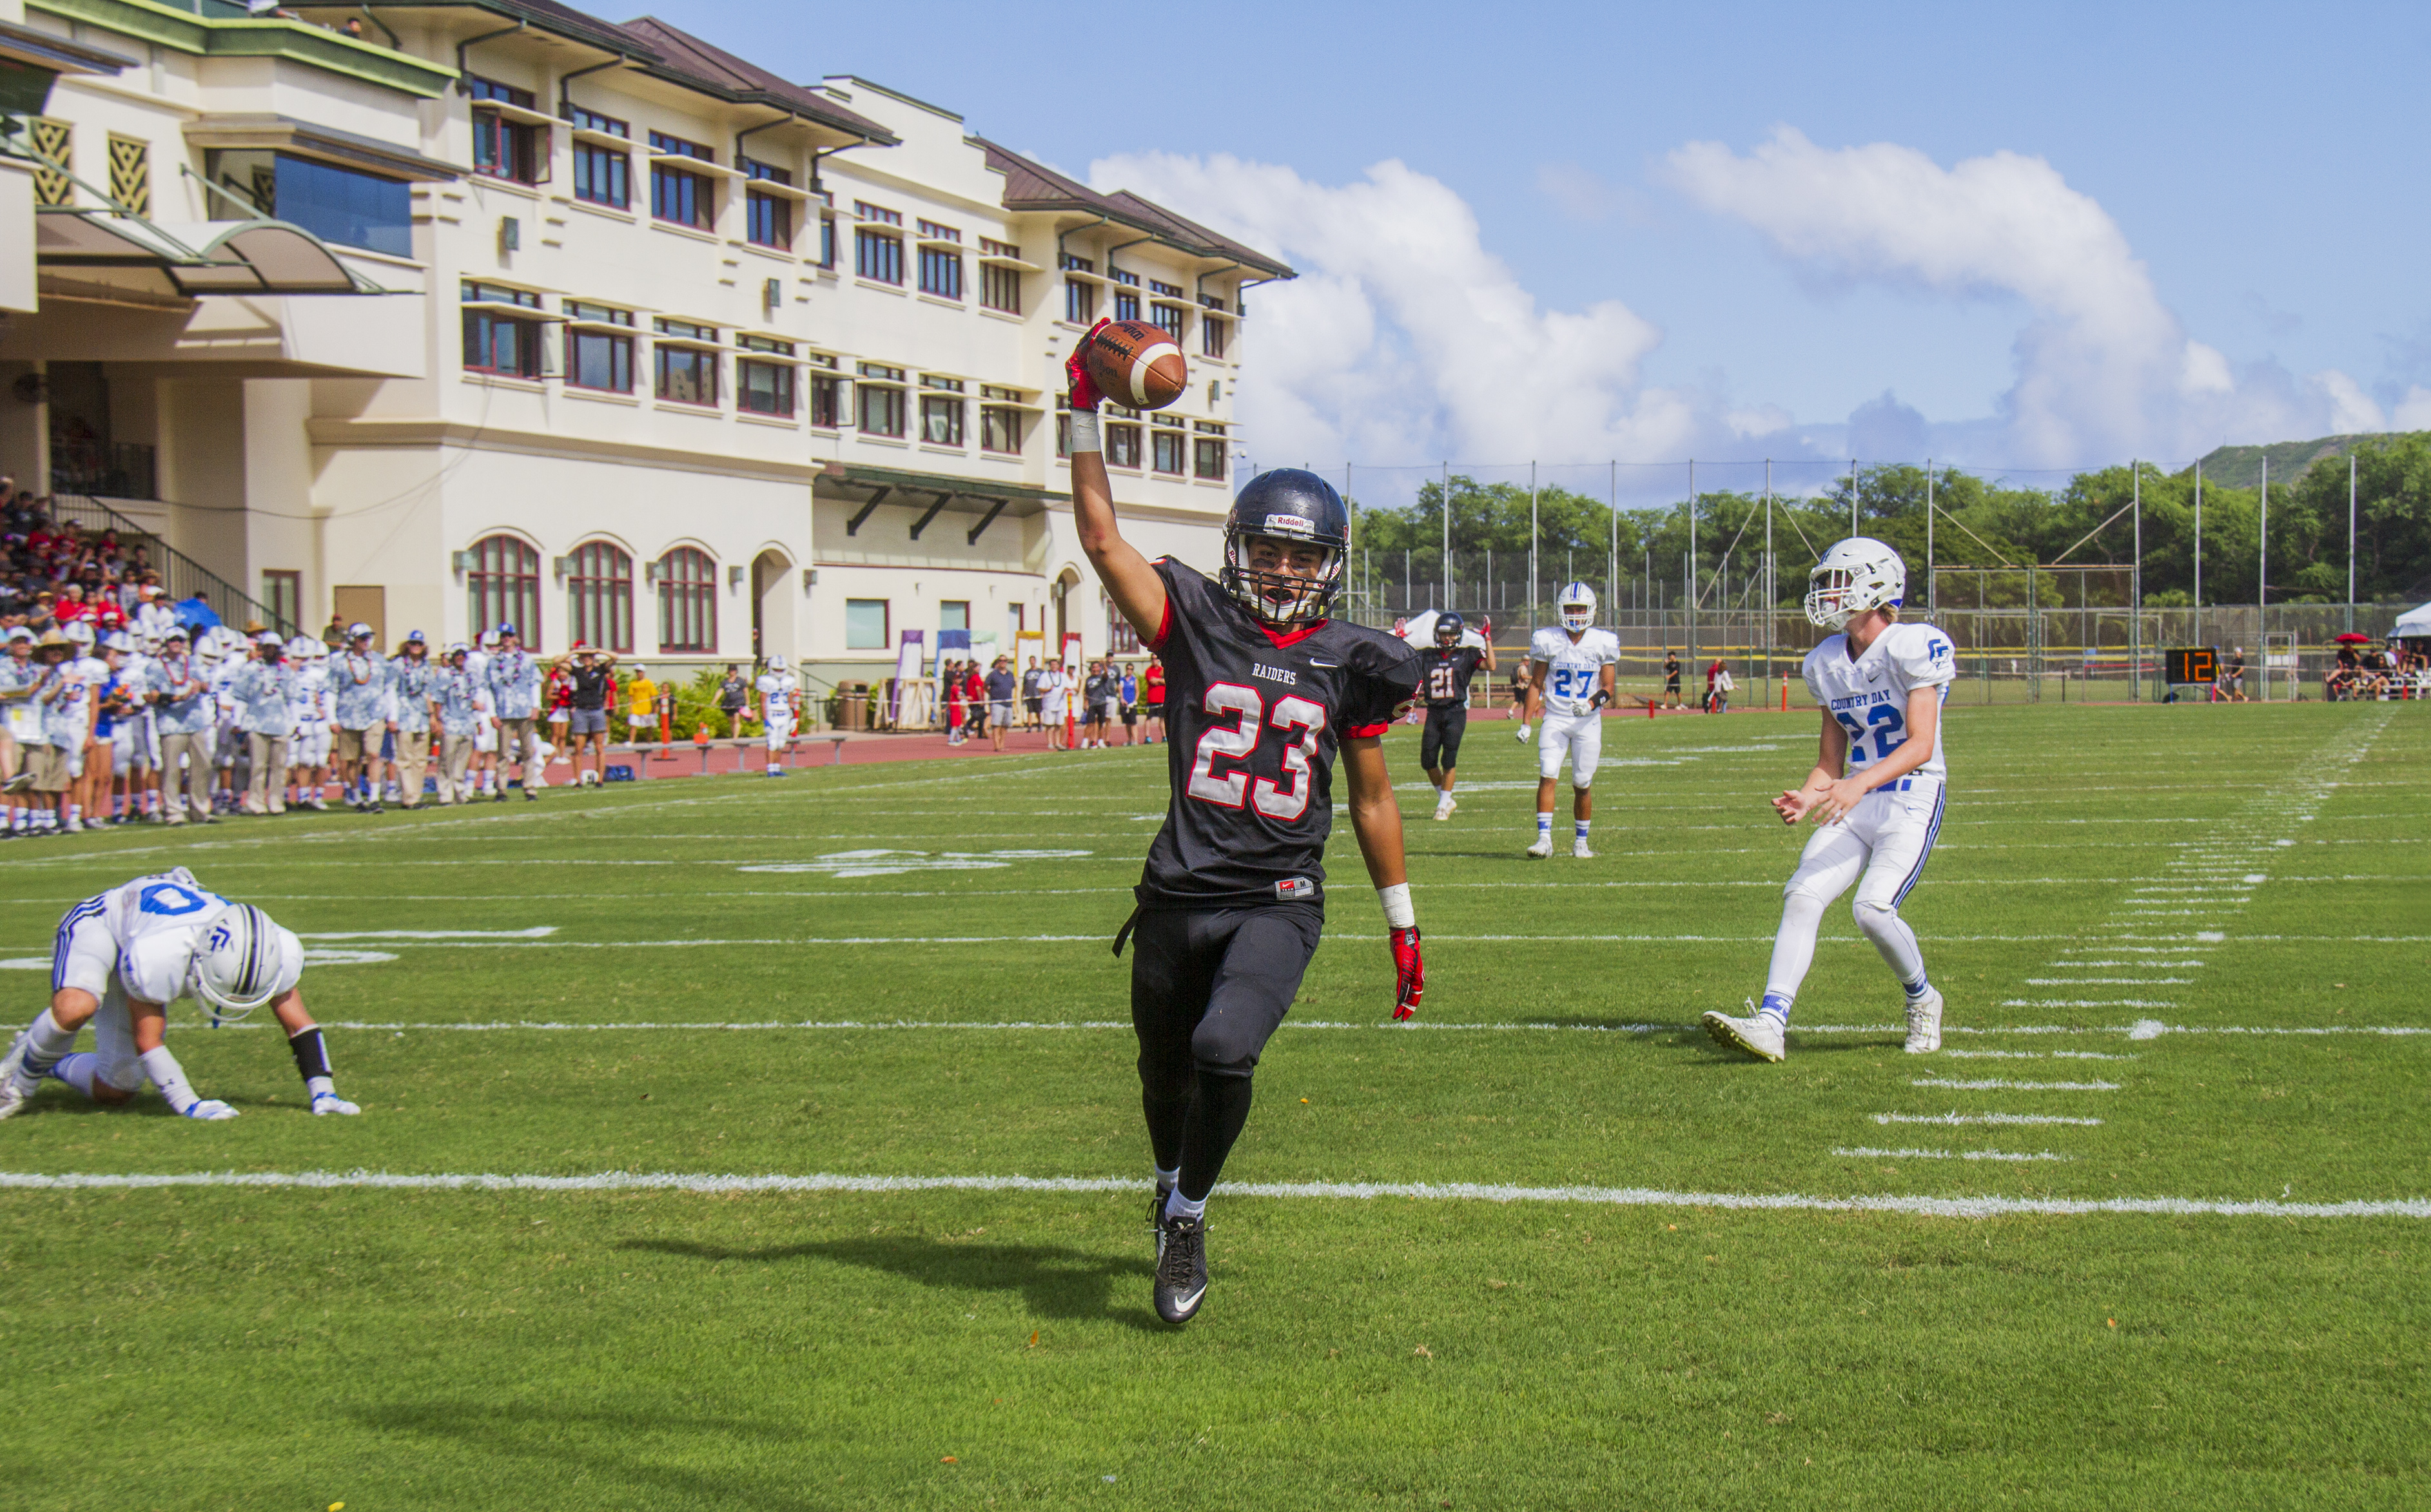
1291 522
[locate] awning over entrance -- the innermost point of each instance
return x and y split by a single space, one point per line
932 493
191 259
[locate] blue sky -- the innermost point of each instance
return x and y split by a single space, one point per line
2243 181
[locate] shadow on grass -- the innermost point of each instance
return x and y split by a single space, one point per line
608 1445
1054 1282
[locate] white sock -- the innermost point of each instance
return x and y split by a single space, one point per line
170 1077
1894 938
1544 826
1580 827
77 1071
321 1085
1793 947
1169 1179
1176 1206
45 1043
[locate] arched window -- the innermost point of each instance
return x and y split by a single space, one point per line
599 596
502 586
687 601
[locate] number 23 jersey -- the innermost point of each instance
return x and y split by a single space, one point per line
1254 718
1869 696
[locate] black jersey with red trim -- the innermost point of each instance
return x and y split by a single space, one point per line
1254 718
1444 674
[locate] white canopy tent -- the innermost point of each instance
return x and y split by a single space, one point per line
2414 623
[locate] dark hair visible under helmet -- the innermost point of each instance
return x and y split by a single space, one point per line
1448 626
1295 505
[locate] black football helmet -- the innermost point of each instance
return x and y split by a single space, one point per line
1448 628
1295 505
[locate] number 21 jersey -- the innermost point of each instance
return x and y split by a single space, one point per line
1869 695
1254 718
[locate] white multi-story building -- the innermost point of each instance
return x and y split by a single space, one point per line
642 345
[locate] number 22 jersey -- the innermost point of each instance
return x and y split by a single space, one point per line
1869 696
1253 719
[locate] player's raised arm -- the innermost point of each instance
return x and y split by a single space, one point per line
1129 580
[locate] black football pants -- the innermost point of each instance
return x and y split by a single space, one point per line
1209 988
1439 742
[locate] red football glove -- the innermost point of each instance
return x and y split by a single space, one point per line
1410 974
1084 394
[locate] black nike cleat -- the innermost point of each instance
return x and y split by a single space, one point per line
1180 1269
1156 1216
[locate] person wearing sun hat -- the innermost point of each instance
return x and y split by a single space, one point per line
411 679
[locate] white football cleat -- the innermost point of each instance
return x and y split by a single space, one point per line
1543 848
326 1102
1759 1035
1924 1023
1579 851
210 1109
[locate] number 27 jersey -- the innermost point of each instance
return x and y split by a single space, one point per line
1869 695
1253 719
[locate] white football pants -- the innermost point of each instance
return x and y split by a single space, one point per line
780 730
1579 736
1882 847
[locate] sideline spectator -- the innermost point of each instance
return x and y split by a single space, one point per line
557 697
1670 678
1001 685
1030 695
951 675
2236 675
514 692
461 703
184 711
733 697
975 697
359 707
1152 702
67 720
1719 688
1127 699
590 683
642 712
412 682
265 695
1050 702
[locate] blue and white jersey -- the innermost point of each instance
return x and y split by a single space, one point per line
312 693
151 921
515 683
411 684
67 702
186 704
360 690
267 700
1869 696
1573 669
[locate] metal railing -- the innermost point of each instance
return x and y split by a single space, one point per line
183 577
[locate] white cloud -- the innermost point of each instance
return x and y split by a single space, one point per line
1405 338
2413 412
2103 368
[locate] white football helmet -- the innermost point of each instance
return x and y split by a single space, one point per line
776 662
1857 575
243 960
1578 603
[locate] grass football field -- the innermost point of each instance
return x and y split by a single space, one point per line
2152 1231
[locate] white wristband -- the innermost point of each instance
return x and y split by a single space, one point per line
1084 432
1398 912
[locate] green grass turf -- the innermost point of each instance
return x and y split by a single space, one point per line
206 1347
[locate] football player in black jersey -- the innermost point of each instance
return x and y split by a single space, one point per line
1263 689
1446 669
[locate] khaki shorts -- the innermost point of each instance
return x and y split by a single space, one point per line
346 744
50 766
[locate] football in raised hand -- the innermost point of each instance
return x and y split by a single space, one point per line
1136 365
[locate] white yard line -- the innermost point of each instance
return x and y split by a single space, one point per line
1958 1119
1996 1084
1865 1154
1350 1191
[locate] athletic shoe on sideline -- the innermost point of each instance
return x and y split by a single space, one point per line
1924 1023
1759 1035
1445 807
1543 848
1180 1269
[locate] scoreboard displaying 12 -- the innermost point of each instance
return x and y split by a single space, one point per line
2191 664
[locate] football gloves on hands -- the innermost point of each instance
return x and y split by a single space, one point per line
1083 388
1523 732
1410 974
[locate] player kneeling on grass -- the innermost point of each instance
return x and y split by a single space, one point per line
1263 690
1880 685
122 957
1570 673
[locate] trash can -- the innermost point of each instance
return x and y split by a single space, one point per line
851 706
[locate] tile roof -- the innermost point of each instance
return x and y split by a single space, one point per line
687 59
1030 186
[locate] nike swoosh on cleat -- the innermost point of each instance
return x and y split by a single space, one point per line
1191 1301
